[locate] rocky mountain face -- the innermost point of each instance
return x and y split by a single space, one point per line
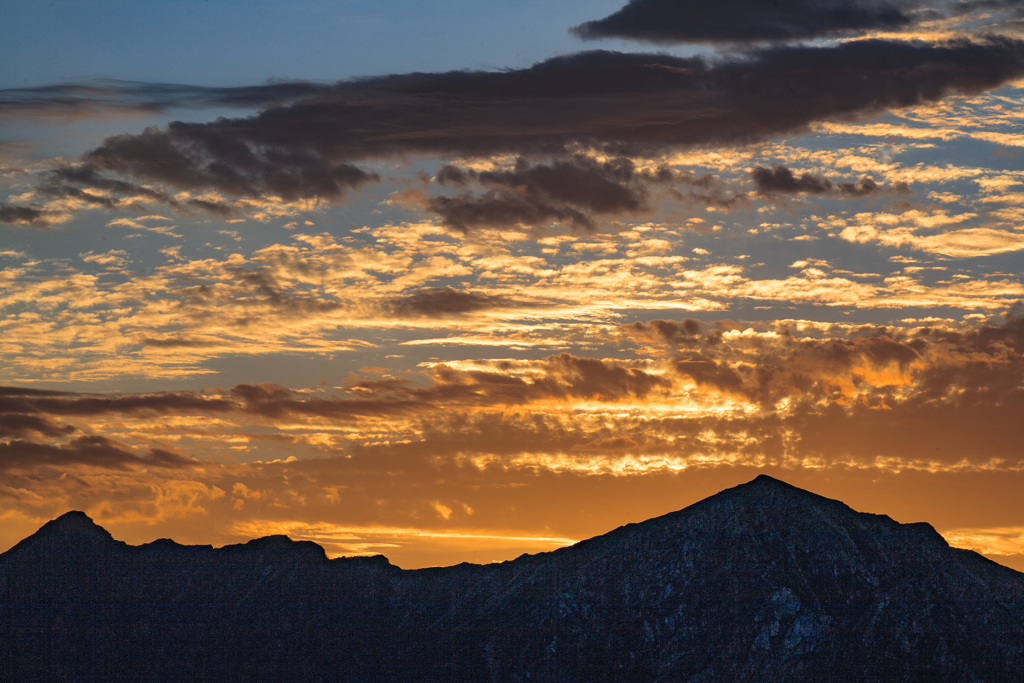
762 582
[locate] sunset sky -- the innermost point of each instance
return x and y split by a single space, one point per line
454 281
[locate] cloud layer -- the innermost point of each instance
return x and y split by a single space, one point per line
107 98
694 21
613 102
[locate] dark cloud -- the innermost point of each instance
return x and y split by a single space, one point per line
209 160
72 182
600 187
804 370
258 288
26 391
597 98
445 301
988 368
781 180
504 209
563 377
665 332
571 190
621 104
983 366
92 451
262 285
271 400
732 21
23 215
967 7
615 443
560 377
570 376
705 190
105 96
289 175
66 179
34 402
15 424
450 174
867 186
178 343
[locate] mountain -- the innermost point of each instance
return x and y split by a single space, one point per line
762 582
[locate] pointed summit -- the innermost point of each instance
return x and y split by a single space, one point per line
768 483
72 519
74 523
765 480
768 489
72 531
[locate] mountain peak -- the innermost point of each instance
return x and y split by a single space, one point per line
73 519
765 480
74 526
764 485
280 547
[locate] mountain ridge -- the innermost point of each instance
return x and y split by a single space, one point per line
763 581
77 524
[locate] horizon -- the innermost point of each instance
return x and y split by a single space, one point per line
75 514
454 282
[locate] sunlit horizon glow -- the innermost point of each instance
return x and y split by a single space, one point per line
478 308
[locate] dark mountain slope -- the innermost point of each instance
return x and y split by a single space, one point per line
763 582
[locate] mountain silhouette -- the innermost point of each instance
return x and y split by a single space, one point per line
761 582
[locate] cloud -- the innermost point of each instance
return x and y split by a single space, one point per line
781 180
754 21
504 209
665 332
616 103
387 398
30 401
569 376
603 187
570 190
601 98
211 161
559 377
694 21
615 443
445 301
998 13
93 451
104 98
573 191
883 399
807 369
896 230
967 243
16 424
72 188
23 215
318 296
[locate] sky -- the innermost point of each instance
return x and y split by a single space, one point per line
457 281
